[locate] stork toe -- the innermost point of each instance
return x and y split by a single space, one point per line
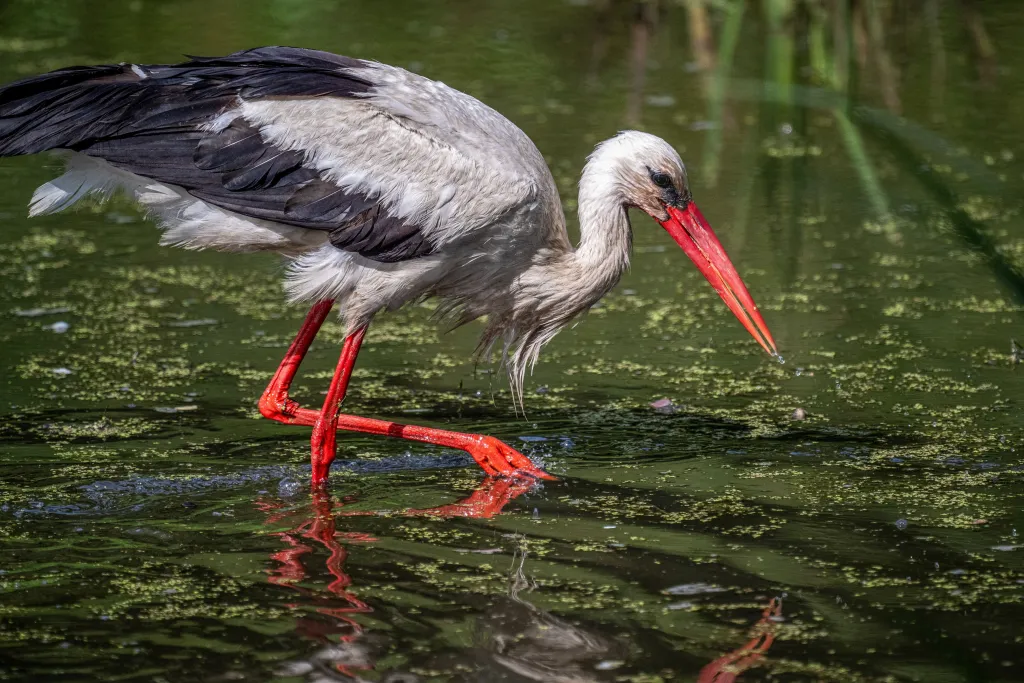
498 458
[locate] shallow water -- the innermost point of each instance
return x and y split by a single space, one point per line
154 529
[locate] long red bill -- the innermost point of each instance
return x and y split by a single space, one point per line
689 229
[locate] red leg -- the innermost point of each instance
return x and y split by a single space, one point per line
275 404
495 457
492 455
325 431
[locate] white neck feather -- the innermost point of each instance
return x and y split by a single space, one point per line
605 233
566 281
553 293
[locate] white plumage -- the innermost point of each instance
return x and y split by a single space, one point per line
474 182
380 185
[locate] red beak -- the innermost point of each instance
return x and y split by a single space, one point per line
689 229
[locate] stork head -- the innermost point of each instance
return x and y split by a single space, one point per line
645 172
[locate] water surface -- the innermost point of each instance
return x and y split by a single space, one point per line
864 172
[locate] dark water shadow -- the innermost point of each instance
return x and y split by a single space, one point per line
512 636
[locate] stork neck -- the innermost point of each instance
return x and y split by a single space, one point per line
605 233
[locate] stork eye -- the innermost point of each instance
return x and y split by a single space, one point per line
662 180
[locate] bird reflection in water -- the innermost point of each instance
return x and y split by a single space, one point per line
538 646
344 654
514 636
728 667
333 622
521 638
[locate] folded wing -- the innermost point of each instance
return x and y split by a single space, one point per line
183 125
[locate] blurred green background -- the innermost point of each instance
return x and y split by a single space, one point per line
861 161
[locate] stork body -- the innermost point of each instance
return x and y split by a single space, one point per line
380 185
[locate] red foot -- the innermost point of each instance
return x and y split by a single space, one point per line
498 458
495 457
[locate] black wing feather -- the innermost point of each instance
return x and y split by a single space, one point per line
231 148
155 121
323 199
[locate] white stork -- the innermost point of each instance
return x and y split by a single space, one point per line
382 186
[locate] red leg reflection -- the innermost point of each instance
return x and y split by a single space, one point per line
492 495
725 669
493 456
489 499
320 528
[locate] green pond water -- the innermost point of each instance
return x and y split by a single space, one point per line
864 170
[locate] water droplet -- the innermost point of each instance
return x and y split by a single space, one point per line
608 665
536 513
287 488
901 524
